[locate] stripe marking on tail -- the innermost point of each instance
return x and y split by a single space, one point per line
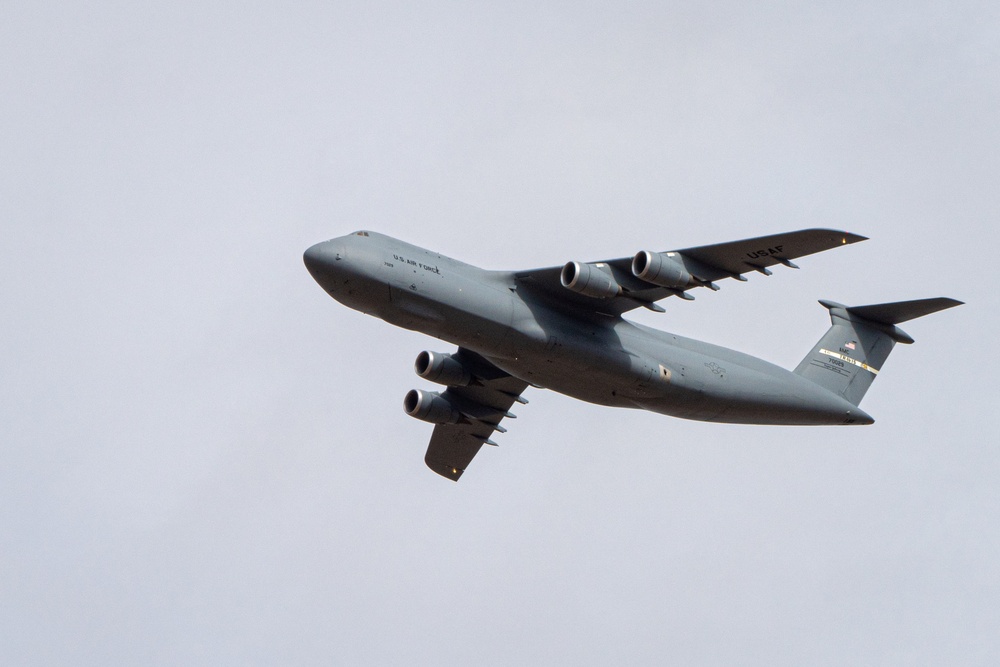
850 360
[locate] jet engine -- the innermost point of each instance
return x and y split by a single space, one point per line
430 407
660 269
593 280
442 368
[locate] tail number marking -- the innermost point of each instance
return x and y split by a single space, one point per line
843 357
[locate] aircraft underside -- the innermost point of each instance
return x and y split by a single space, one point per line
561 328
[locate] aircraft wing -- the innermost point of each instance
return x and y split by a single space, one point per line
736 257
483 403
706 264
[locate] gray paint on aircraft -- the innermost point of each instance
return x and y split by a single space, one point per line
562 328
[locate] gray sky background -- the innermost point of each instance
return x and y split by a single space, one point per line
205 459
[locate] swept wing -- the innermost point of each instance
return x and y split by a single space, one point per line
483 404
706 264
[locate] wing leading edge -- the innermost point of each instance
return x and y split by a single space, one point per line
483 404
705 264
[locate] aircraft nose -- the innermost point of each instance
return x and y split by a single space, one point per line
321 258
313 258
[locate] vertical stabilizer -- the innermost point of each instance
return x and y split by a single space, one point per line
848 358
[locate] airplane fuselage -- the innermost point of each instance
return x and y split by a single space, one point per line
597 358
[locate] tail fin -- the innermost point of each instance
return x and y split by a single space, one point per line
847 359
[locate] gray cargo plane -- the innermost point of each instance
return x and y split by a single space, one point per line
561 328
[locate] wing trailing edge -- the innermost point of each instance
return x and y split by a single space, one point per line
482 404
683 270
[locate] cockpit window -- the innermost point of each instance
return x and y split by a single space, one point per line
361 233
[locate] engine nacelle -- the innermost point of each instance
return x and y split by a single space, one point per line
430 407
660 269
442 368
593 280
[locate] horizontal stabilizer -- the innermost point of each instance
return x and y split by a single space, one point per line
902 311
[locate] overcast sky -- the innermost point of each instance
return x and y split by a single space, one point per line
204 459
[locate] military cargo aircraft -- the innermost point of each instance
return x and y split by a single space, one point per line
561 328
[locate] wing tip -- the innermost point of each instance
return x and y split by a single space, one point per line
846 237
445 470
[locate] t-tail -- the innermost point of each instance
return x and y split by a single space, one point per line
850 355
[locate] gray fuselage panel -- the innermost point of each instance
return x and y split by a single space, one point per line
597 358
